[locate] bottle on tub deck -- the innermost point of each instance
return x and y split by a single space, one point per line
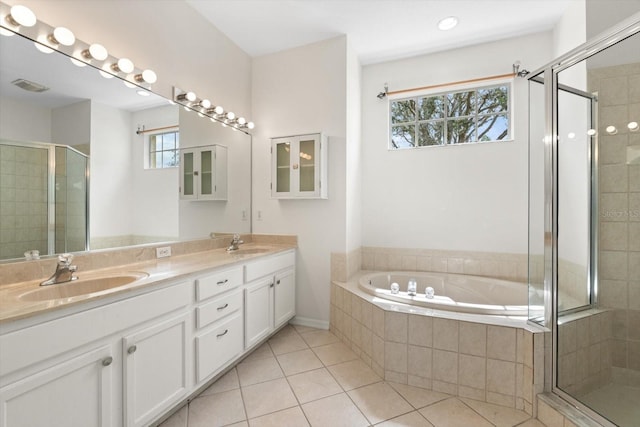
412 287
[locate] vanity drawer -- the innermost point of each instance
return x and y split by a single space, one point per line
218 282
218 346
218 308
263 267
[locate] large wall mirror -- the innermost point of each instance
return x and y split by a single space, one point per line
81 160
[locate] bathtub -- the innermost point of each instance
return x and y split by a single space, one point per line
453 292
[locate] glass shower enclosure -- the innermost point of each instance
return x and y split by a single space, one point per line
43 199
584 228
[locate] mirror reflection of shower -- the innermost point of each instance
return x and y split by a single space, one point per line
43 199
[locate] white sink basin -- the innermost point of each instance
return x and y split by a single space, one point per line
80 287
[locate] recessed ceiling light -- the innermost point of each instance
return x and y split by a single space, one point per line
447 23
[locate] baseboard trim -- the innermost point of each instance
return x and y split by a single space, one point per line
312 323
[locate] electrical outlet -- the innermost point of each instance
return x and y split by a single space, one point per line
244 214
163 252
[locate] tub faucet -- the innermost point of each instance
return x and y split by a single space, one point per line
64 271
235 242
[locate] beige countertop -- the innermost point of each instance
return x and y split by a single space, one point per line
15 304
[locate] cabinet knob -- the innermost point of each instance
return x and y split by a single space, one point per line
278 282
272 285
222 334
223 307
132 349
107 361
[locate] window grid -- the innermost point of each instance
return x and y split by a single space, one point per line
446 120
164 151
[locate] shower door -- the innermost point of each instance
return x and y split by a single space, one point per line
591 208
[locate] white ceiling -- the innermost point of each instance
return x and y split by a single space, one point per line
378 30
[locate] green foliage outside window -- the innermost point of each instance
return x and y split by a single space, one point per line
164 150
477 115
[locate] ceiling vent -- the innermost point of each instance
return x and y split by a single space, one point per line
30 86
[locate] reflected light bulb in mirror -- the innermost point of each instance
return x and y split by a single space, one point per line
5 32
205 103
123 65
250 125
231 115
591 132
571 135
63 36
142 92
218 110
611 130
129 84
105 74
77 62
633 126
42 48
21 15
241 121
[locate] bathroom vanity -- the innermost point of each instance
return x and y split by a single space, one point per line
127 355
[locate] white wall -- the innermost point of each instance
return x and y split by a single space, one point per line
571 30
20 121
354 152
300 91
110 167
154 208
71 124
471 197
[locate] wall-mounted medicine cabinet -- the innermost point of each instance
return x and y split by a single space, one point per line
203 173
299 167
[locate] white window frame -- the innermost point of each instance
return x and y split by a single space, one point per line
444 90
147 150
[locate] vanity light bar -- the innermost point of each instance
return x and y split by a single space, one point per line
21 20
191 102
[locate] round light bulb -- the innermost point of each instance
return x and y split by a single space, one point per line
129 84
98 52
231 115
447 23
190 96
571 135
5 32
218 110
22 15
591 132
633 126
148 76
611 130
250 125
205 103
124 65
63 36
241 120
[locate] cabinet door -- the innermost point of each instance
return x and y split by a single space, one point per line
155 370
258 306
206 179
217 345
284 297
75 393
308 161
188 175
281 179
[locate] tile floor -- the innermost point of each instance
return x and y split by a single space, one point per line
307 377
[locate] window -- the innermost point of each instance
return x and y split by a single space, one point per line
471 115
164 150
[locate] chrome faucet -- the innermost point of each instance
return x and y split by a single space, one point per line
64 271
234 243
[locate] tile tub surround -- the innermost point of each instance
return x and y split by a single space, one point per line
20 271
499 265
455 353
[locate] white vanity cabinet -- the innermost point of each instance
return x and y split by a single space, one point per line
299 167
219 321
203 173
155 368
269 295
80 369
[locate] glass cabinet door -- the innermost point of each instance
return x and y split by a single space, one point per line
188 174
206 172
307 165
283 167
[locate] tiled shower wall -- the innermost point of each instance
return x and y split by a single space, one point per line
23 200
618 90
